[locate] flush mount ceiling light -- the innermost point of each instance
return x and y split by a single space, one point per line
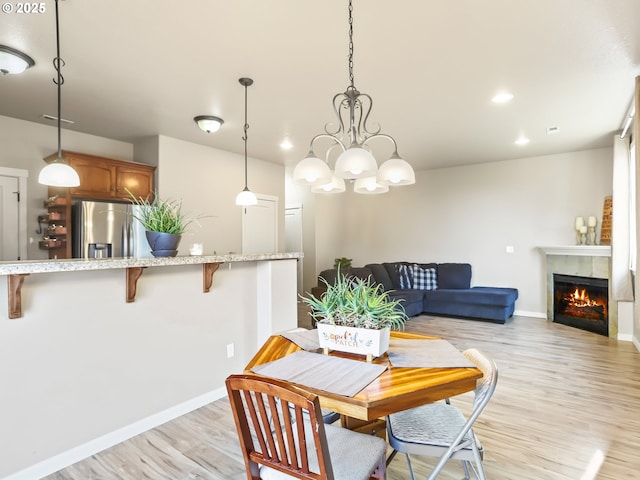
208 123
353 137
246 197
14 61
58 173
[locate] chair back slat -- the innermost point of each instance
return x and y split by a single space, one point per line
279 428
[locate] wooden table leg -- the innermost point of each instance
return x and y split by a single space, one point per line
14 283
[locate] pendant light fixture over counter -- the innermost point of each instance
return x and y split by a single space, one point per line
58 173
246 197
352 136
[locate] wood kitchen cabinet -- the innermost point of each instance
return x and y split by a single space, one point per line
108 179
100 179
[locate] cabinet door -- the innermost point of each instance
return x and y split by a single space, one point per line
136 179
97 179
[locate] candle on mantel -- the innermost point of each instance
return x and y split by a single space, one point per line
579 222
583 229
592 221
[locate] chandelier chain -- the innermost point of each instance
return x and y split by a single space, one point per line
351 79
58 63
246 136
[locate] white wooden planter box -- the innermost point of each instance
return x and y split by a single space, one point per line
364 341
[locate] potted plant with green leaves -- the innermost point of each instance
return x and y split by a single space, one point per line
355 315
164 223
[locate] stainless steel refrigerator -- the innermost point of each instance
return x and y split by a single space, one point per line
107 229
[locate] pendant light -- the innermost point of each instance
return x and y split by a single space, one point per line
353 135
58 173
246 197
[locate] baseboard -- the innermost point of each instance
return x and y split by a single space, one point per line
625 337
524 313
636 343
64 459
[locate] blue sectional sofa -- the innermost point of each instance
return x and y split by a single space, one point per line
438 289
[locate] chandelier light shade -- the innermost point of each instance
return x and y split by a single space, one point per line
369 186
246 197
14 61
58 173
312 171
208 123
335 186
353 136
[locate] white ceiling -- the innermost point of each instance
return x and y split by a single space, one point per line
147 67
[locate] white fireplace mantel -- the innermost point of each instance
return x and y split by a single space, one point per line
578 250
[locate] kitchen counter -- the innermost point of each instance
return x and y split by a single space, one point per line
70 265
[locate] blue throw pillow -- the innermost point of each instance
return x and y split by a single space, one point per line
424 278
405 273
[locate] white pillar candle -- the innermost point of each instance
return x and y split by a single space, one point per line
592 221
579 222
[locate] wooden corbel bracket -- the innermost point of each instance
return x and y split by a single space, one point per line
208 269
133 274
14 284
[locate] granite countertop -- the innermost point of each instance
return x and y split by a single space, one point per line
78 264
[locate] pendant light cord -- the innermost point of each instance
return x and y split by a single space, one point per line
351 78
58 63
246 136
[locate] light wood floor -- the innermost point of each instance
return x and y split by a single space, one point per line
567 406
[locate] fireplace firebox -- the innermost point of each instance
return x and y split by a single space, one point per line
581 302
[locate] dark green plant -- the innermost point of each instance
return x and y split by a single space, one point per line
342 262
161 215
356 302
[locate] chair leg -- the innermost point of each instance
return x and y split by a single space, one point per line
465 466
410 466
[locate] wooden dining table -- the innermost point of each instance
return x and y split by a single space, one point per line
396 389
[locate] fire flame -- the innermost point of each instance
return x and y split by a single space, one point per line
580 298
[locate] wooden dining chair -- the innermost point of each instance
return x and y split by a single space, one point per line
441 430
282 435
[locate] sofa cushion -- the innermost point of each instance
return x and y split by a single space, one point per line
424 278
454 275
380 275
405 275
475 295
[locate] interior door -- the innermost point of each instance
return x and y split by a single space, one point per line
260 226
9 242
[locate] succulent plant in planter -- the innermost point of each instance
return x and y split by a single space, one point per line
355 315
164 222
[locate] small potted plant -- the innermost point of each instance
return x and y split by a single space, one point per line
355 315
164 223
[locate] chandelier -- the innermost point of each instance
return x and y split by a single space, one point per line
352 136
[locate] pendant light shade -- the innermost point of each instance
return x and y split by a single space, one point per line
58 173
246 197
14 61
312 171
355 162
335 186
396 172
369 186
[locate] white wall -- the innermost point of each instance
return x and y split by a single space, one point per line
208 180
470 214
25 144
83 369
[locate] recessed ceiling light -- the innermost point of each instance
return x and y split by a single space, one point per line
522 141
286 144
502 97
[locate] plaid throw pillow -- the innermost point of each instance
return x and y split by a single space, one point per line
424 278
405 272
